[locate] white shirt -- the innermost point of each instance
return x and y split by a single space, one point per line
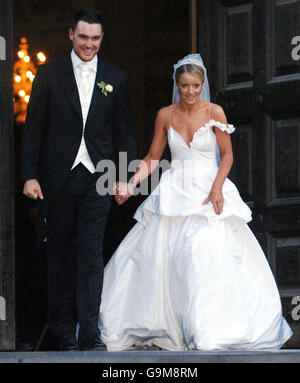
85 96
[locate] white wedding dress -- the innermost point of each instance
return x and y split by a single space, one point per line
185 278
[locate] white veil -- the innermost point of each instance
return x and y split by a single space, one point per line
196 59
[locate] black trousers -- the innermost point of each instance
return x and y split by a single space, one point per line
75 230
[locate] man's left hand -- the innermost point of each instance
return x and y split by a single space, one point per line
123 191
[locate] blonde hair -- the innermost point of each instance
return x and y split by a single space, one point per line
197 70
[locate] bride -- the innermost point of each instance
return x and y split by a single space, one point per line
190 274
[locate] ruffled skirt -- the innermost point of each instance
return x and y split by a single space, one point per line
182 283
185 278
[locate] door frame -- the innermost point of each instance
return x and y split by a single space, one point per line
7 185
193 26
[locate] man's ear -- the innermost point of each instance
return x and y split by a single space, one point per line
71 35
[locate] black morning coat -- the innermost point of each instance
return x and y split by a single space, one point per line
54 125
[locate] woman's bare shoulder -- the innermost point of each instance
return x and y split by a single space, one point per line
164 113
217 112
165 110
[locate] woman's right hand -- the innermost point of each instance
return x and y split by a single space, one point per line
123 191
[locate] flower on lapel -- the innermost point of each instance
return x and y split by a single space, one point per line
105 87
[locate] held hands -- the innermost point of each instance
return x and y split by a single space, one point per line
123 191
216 197
32 189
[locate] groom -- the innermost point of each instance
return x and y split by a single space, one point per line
72 124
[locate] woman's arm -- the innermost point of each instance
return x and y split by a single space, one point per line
224 142
149 163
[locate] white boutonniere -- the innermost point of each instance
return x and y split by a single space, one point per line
105 87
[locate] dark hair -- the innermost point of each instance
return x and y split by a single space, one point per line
88 15
192 69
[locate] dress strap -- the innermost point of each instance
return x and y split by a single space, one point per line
170 115
209 112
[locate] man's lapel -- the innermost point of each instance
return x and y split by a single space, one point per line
68 81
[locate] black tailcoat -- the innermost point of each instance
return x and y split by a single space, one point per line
52 137
54 125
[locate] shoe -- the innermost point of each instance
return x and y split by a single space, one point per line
97 346
66 344
68 347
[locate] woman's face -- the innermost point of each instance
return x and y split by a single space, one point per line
189 87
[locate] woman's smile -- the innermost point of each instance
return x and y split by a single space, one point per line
189 87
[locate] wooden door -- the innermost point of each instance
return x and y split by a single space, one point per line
7 261
254 72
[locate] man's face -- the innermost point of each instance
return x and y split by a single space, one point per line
86 39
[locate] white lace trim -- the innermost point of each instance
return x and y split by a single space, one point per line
225 128
228 128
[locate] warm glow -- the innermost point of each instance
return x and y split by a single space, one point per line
41 56
30 75
24 73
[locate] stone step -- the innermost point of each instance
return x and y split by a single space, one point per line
280 356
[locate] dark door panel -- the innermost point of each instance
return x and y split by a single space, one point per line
247 48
